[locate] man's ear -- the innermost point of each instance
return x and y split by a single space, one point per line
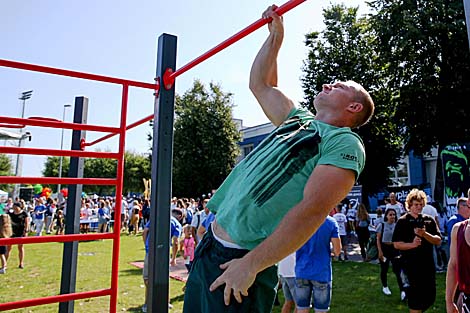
355 107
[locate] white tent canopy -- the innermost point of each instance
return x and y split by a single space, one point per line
3 196
8 135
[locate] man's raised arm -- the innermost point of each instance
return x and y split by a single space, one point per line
263 75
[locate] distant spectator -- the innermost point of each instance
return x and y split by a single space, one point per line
379 219
103 217
394 204
187 246
20 226
463 213
362 229
5 232
287 277
342 221
135 217
59 220
39 211
387 252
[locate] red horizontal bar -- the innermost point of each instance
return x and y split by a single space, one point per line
56 152
139 122
54 299
243 33
55 238
58 71
55 180
56 124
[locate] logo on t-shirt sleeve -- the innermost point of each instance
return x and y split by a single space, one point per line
349 157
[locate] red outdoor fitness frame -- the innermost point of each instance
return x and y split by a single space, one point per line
167 82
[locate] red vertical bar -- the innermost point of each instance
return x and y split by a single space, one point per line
118 207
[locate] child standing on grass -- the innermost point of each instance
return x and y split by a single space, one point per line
5 232
187 245
59 220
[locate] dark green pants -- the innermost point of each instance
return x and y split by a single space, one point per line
205 269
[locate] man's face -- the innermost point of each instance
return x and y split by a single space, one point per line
204 205
464 208
416 207
393 198
337 95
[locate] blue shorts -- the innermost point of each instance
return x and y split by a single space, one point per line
288 288
321 292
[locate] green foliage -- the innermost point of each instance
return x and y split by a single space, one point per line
205 140
5 169
424 45
136 167
345 51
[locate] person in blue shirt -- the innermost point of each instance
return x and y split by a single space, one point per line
39 211
463 212
313 269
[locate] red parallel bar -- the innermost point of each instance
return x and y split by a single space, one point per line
56 124
117 214
55 152
54 238
54 299
55 180
130 126
58 71
243 33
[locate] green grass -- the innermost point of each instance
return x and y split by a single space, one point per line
356 286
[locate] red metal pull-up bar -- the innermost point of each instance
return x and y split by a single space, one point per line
58 71
56 124
130 126
56 152
169 77
55 299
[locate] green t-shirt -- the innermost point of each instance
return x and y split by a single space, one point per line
265 185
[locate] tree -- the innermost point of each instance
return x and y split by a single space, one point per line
345 51
5 169
51 167
136 167
425 45
205 140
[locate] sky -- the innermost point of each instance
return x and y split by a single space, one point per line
118 38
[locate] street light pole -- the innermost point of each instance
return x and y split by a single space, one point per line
25 95
61 147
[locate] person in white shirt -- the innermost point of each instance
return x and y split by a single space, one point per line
342 221
286 272
430 210
396 205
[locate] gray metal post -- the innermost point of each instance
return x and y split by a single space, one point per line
162 164
72 218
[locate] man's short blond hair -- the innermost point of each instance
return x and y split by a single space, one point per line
362 96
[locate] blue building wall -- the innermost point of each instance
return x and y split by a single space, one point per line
417 170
